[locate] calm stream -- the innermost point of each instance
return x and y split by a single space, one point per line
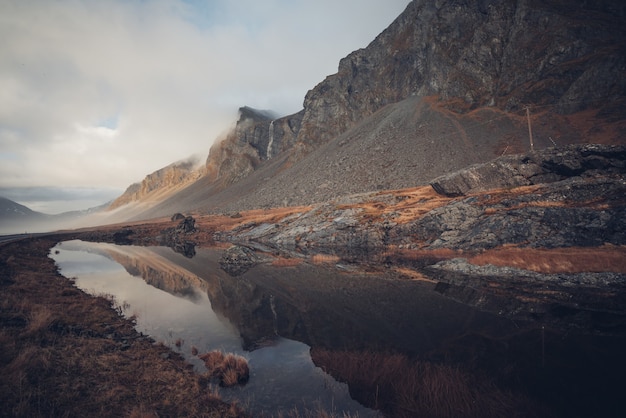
324 336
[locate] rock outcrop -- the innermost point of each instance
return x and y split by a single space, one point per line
534 168
503 54
155 185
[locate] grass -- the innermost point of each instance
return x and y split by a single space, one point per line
230 369
607 258
402 387
286 262
65 353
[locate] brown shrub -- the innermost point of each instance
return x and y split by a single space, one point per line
212 360
325 259
230 369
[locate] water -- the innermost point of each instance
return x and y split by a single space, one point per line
172 306
347 341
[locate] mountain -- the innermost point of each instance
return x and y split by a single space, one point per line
10 210
157 185
16 218
446 85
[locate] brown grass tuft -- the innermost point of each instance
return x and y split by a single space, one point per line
230 369
39 319
325 259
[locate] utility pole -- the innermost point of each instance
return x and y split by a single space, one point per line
530 130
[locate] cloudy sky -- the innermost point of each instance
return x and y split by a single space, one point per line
95 94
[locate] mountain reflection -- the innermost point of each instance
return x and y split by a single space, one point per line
359 325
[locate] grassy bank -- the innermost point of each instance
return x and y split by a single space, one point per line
64 353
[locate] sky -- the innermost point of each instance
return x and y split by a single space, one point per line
96 94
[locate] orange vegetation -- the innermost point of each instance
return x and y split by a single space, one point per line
413 275
608 258
286 262
409 204
324 259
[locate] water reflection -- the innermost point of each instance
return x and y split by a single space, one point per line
171 304
358 327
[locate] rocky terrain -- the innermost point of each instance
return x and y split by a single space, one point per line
560 212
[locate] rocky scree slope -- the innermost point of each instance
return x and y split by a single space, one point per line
559 197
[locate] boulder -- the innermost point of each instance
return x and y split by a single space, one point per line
177 216
187 225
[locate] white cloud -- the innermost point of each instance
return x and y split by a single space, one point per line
101 93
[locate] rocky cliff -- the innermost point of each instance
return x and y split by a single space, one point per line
562 57
446 85
159 183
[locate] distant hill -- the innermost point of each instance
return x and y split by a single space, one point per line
10 210
446 85
17 218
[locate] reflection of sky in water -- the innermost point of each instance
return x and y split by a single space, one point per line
283 375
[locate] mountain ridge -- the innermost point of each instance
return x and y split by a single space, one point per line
461 75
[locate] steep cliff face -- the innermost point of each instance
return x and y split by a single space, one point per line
257 136
558 57
566 56
174 176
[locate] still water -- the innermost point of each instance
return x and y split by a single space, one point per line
323 336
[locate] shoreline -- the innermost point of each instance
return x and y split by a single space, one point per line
68 353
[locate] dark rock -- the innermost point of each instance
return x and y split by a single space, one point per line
186 248
238 259
122 237
178 216
187 225
523 292
547 166
556 215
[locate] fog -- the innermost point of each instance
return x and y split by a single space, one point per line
94 95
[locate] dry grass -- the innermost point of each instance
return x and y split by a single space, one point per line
286 262
401 387
258 216
408 204
65 353
230 369
324 259
608 258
